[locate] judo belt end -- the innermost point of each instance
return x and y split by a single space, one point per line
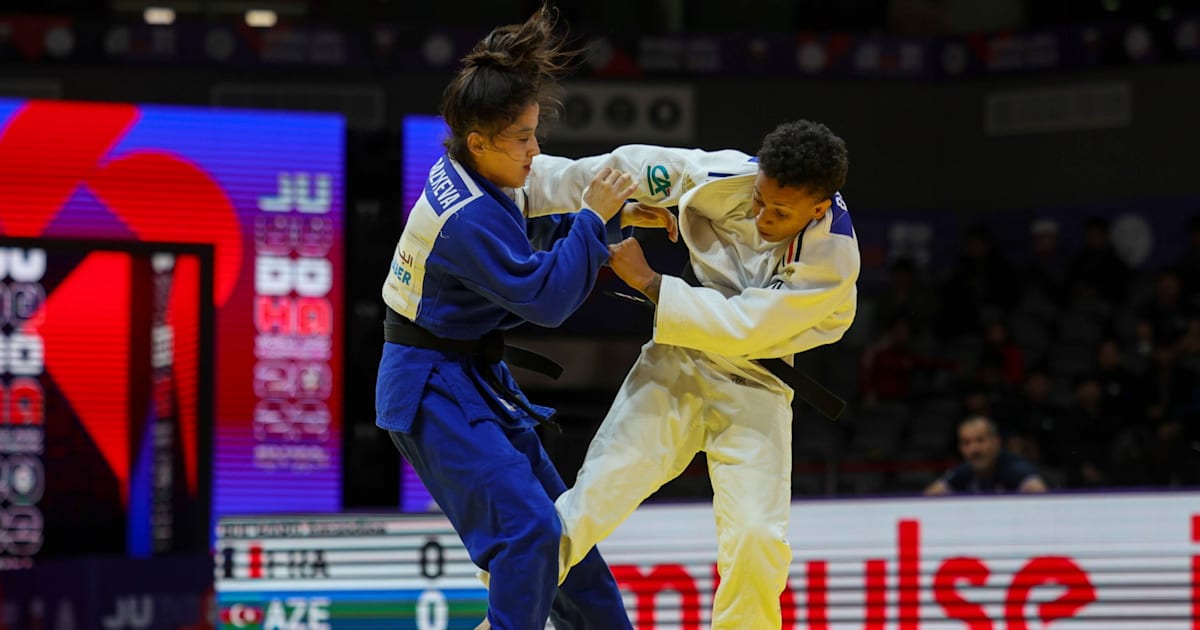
810 391
530 360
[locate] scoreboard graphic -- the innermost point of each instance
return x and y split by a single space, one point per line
345 572
1117 562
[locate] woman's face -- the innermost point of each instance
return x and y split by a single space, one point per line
782 211
506 158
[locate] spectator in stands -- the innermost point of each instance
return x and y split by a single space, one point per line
1149 442
1088 436
1046 272
981 283
986 466
890 365
1165 316
1037 421
1124 397
907 296
1001 360
977 401
1175 454
1189 346
1097 267
1170 391
1118 385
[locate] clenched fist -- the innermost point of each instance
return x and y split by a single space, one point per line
628 261
608 191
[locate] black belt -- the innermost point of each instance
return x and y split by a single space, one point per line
491 348
807 389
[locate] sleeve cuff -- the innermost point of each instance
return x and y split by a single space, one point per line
598 229
668 325
586 214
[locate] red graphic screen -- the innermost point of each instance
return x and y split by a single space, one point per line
106 383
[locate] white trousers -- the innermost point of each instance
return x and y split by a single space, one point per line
674 403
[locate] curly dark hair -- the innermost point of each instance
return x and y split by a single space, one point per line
805 154
513 67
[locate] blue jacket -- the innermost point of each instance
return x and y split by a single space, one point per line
469 262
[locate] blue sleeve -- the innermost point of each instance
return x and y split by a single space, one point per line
544 231
496 259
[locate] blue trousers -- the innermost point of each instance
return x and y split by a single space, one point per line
497 486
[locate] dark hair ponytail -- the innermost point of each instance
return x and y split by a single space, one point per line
513 67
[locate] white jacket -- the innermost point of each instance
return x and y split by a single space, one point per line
759 299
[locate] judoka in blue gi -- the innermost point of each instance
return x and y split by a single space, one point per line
469 265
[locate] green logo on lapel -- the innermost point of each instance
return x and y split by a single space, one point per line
657 180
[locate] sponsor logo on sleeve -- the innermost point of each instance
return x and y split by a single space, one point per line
658 180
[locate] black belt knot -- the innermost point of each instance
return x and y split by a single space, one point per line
490 347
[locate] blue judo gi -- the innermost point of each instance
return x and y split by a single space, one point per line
469 263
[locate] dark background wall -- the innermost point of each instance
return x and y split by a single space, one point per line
918 145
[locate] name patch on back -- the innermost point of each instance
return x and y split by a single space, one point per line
445 189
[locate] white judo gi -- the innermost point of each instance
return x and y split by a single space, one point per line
695 386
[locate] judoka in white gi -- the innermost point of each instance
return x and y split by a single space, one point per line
772 245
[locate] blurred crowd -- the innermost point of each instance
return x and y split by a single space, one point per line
1089 369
